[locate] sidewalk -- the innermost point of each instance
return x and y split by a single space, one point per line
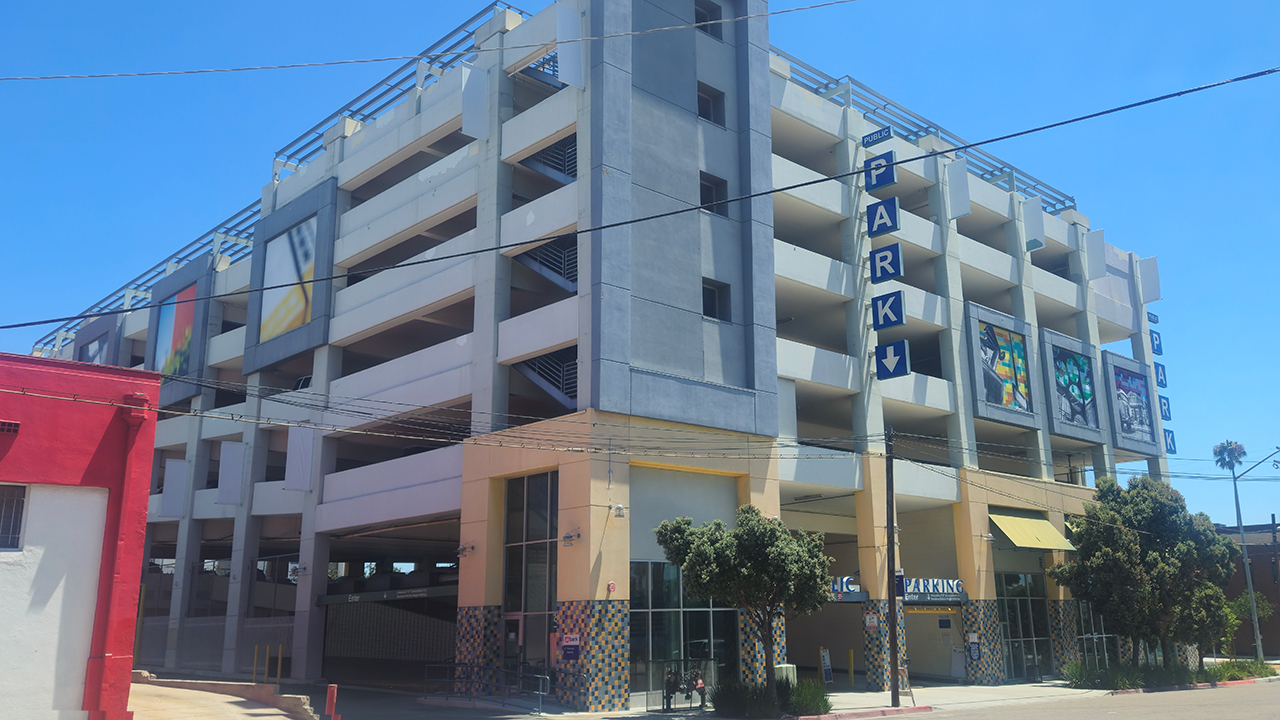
153 702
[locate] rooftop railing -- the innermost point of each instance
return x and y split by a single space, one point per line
233 237
447 52
848 92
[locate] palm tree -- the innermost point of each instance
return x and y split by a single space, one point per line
1227 455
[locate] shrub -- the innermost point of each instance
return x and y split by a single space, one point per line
1079 676
749 702
809 697
1123 677
1235 670
784 696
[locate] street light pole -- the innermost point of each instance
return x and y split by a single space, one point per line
1244 547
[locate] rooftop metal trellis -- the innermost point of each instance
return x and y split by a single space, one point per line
454 48
848 92
232 238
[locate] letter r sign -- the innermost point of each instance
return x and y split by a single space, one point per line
886 263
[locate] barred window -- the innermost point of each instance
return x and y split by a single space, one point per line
12 499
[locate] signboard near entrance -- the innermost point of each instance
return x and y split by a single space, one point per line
847 589
825 656
926 590
572 647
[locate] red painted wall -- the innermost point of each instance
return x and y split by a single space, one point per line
90 426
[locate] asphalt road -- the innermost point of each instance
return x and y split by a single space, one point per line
1236 702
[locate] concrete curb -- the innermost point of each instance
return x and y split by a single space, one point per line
297 707
1197 686
883 712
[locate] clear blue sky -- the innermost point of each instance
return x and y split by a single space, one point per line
99 179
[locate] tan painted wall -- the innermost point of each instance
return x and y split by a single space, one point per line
592 483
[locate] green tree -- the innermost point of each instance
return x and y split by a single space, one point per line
1207 619
757 566
1239 606
1143 559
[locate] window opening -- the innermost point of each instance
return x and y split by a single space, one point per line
12 502
708 11
530 626
714 192
710 104
715 300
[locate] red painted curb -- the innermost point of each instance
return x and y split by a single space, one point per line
883 712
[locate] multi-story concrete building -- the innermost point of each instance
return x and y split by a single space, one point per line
455 442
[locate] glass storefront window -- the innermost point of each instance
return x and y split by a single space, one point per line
530 573
666 585
1024 624
677 632
639 586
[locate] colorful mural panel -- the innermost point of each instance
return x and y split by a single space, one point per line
1073 388
173 337
1003 354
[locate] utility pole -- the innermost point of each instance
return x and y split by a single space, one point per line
891 541
1244 547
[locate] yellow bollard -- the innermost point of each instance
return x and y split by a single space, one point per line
266 666
851 668
279 661
255 663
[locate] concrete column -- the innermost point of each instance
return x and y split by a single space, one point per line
873 524
953 345
855 246
604 284
593 590
247 532
187 552
975 559
787 424
1158 466
306 662
1023 299
1104 457
755 167
490 380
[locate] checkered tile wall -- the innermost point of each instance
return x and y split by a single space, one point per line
752 669
1064 617
479 642
981 617
601 679
876 643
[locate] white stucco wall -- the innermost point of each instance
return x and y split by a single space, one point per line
658 494
48 591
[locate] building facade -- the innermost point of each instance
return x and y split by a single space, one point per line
72 519
493 321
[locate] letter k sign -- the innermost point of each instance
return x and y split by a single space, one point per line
886 311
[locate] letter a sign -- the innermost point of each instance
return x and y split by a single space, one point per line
882 217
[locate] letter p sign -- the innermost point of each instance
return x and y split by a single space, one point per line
886 263
880 171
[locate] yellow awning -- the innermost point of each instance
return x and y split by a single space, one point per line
1028 529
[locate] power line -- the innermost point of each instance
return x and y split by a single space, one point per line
499 439
1018 498
272 394
670 213
425 56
